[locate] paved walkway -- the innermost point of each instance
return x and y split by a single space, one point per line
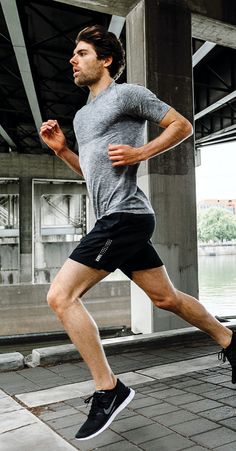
184 400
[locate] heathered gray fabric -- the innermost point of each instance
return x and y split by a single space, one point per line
116 116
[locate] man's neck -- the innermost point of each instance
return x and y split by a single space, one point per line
100 86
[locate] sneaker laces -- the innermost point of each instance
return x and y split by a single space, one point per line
222 355
96 404
87 400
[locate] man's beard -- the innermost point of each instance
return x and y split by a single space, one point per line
88 79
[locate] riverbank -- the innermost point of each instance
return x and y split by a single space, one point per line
228 248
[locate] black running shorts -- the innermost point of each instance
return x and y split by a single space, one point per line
119 240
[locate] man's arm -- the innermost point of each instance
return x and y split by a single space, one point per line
53 136
177 129
71 159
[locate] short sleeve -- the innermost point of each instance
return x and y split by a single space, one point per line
140 101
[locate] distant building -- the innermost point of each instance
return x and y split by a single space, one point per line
229 205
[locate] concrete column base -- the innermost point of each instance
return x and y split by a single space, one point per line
26 268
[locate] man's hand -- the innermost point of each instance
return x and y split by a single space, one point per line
53 136
124 155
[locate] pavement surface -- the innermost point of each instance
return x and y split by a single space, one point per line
184 400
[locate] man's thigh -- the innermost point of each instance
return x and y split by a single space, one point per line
74 279
155 282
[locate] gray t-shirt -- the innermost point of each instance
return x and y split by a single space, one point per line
116 116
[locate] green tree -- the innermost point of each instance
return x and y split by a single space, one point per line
216 224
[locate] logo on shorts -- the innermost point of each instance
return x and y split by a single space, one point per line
103 250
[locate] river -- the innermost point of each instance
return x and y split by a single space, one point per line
217 284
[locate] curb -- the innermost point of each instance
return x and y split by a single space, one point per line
64 353
11 361
67 353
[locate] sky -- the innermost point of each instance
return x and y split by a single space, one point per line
216 177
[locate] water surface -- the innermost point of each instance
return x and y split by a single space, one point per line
217 284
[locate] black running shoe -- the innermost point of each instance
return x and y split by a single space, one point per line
229 353
106 404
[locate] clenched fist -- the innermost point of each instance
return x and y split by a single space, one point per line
53 136
123 154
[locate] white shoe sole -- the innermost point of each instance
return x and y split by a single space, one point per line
109 421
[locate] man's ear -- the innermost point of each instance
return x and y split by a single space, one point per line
108 61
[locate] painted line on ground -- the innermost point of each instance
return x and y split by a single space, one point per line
182 367
74 390
70 391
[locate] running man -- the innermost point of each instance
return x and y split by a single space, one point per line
110 135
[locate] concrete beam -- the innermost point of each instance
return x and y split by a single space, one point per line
219 104
12 19
218 141
213 30
70 230
117 7
6 137
7 188
75 187
227 131
116 25
217 11
209 23
203 51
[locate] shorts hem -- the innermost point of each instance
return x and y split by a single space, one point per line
129 272
90 264
149 267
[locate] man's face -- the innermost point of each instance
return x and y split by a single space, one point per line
86 67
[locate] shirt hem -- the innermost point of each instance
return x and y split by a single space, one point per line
135 212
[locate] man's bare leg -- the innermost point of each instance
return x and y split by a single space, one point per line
72 281
157 285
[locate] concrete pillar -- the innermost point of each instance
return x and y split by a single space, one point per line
159 57
39 260
83 212
25 226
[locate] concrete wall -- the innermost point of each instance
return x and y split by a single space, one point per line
33 166
23 307
9 256
55 255
21 170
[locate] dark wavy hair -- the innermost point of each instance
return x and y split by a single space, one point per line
105 43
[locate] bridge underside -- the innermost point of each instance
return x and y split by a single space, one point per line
183 51
37 83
